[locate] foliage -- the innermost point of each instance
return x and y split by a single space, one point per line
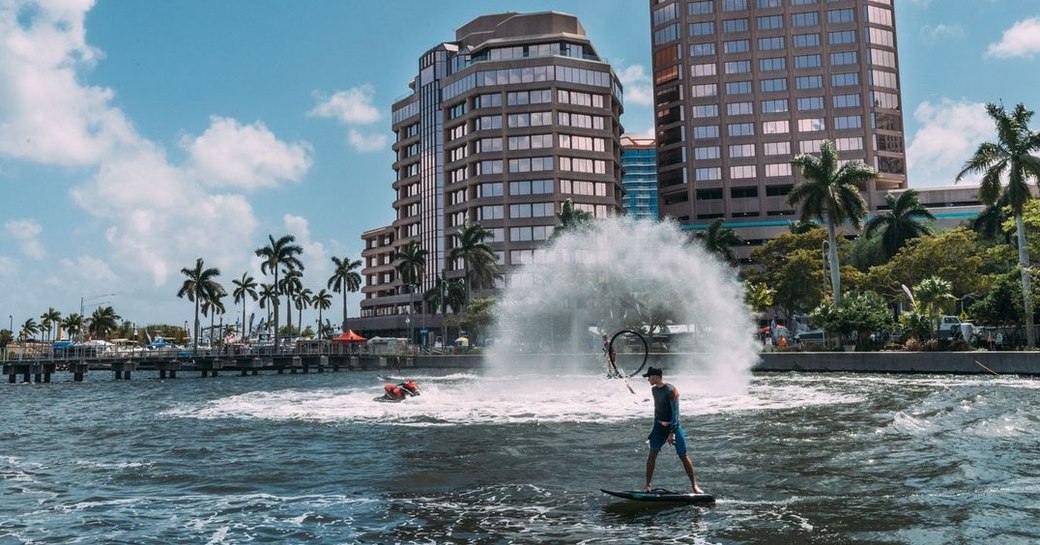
1010 157
859 314
719 241
903 221
244 287
345 278
758 297
479 263
279 253
916 325
200 286
6 337
792 266
1002 303
866 252
572 219
831 190
103 320
479 317
954 256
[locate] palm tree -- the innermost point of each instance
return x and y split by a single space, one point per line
571 218
446 292
1012 153
268 296
345 278
28 330
719 240
47 319
244 287
801 227
831 191
281 252
73 324
901 222
321 301
990 222
302 301
411 265
929 296
199 286
292 283
103 320
479 264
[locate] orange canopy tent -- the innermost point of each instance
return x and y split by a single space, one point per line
349 336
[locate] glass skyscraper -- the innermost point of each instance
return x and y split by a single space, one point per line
639 177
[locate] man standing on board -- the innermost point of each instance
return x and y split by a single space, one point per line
666 427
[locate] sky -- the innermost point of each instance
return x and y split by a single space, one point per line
136 137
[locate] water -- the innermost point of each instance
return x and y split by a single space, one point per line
514 458
628 275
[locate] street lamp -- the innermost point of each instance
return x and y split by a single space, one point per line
408 324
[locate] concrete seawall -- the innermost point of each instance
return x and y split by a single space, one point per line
963 363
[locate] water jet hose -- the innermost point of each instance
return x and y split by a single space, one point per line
613 363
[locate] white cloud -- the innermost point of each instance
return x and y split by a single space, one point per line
87 269
27 233
1021 40
949 134
248 157
934 33
319 264
367 141
351 107
157 216
638 89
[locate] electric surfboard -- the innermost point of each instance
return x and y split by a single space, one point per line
662 495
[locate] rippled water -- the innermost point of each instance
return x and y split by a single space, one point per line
311 459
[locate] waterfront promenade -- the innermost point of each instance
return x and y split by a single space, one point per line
961 363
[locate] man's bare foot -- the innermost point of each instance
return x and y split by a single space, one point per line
648 487
697 489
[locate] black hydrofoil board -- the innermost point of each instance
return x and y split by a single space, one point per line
662 495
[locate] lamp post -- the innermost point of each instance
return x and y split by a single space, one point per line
89 299
408 324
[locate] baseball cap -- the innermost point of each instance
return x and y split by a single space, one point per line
653 371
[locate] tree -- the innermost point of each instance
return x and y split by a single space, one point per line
244 287
302 301
792 266
279 253
572 219
73 324
758 297
103 320
48 319
446 293
321 301
902 221
268 296
6 337
411 266
345 278
931 296
859 314
199 286
719 240
1011 155
831 191
292 285
800 227
480 315
954 255
479 263
29 329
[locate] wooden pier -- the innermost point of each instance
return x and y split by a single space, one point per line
123 368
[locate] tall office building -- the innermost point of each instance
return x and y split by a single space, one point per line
503 124
639 177
742 86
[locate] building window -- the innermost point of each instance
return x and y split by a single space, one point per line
776 127
774 85
736 46
806 40
707 90
778 169
843 37
702 50
848 122
738 87
735 25
707 174
707 110
812 124
844 79
809 82
700 8
706 28
771 44
810 18
741 129
743 192
742 150
839 16
706 131
776 148
849 144
771 64
770 22
774 106
734 5
701 70
740 108
667 34
806 104
846 101
738 67
844 57
707 152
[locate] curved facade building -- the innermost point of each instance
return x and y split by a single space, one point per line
502 125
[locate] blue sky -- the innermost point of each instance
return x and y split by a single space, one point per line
138 136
